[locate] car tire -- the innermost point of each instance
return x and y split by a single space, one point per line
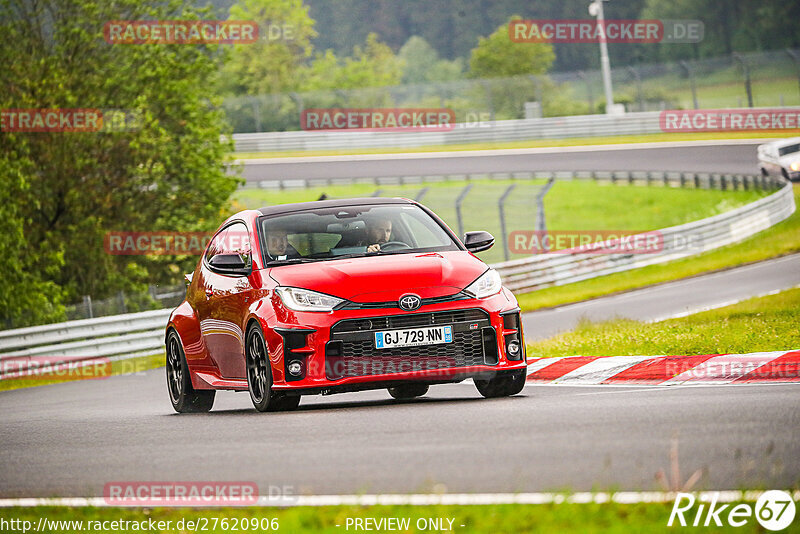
184 398
503 385
259 370
408 391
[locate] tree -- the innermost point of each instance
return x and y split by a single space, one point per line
270 65
422 63
498 56
371 65
65 190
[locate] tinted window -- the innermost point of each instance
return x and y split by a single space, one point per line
214 245
352 231
233 239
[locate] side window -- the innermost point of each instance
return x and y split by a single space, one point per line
215 244
237 241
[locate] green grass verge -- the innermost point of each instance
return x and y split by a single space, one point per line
532 143
121 367
499 519
781 239
755 325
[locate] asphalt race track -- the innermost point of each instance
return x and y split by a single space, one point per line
733 158
71 439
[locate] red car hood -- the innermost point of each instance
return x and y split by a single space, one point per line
385 278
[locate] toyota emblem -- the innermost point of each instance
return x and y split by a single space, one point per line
410 302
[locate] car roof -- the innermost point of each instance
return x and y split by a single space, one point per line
338 203
783 142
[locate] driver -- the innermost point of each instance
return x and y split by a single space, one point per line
278 245
379 231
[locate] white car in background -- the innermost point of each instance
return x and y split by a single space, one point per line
780 158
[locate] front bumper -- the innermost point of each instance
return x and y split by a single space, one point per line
335 351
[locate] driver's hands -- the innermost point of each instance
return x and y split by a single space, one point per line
374 248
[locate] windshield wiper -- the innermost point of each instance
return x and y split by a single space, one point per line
290 261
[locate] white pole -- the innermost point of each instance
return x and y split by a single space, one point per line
605 65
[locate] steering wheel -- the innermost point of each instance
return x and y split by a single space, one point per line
393 245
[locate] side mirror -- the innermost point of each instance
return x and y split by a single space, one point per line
478 241
228 264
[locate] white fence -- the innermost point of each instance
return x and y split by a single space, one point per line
124 336
496 131
637 123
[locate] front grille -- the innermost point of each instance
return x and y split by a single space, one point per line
351 351
348 305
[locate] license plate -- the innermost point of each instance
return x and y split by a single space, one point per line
414 337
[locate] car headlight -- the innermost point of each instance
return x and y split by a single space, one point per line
486 285
304 300
795 166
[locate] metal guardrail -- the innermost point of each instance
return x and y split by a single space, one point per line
123 336
545 270
114 337
496 131
636 123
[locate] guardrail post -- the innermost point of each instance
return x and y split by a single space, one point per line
489 97
690 74
746 68
541 222
87 306
459 200
796 58
501 209
589 94
122 307
638 79
256 114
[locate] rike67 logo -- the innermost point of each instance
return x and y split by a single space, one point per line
774 510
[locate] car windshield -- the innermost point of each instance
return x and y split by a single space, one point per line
789 149
351 231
